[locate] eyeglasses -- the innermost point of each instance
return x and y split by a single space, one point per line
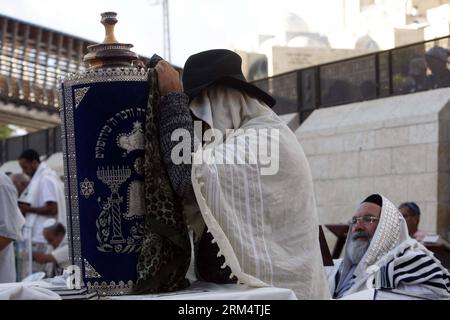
365 220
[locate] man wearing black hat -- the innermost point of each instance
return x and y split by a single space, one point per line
252 211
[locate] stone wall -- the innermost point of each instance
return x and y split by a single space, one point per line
398 146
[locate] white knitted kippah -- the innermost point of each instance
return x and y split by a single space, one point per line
49 223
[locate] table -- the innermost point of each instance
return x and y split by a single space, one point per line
340 231
200 290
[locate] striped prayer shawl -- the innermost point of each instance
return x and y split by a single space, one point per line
413 266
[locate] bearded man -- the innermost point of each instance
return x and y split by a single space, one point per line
380 253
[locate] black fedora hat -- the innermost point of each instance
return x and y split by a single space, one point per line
219 66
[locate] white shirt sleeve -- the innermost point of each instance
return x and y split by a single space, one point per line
61 255
47 192
24 197
11 220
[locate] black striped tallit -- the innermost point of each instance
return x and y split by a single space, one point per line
415 267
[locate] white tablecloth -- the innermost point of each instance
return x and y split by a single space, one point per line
211 291
40 290
26 291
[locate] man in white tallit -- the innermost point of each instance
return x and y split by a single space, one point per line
253 184
379 254
42 199
11 222
57 257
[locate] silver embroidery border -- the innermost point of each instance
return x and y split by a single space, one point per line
105 75
105 289
70 166
66 169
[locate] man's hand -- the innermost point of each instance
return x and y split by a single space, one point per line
4 242
168 78
49 209
43 258
24 207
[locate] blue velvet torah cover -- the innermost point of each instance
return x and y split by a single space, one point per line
103 117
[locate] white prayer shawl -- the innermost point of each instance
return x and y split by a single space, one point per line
32 195
61 255
394 260
11 219
11 222
266 226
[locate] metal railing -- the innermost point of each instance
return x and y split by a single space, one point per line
415 67
45 142
32 58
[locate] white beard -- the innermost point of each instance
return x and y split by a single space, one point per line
356 249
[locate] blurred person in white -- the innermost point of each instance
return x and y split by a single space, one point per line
43 199
378 246
58 258
21 182
11 222
411 213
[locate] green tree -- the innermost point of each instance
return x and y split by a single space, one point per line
5 131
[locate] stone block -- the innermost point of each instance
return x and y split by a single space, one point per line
375 162
319 166
412 119
393 187
338 192
324 192
309 145
331 144
358 141
428 216
343 165
432 157
423 187
424 133
366 187
391 137
336 214
410 159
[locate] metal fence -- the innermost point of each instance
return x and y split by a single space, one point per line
31 60
416 67
46 142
